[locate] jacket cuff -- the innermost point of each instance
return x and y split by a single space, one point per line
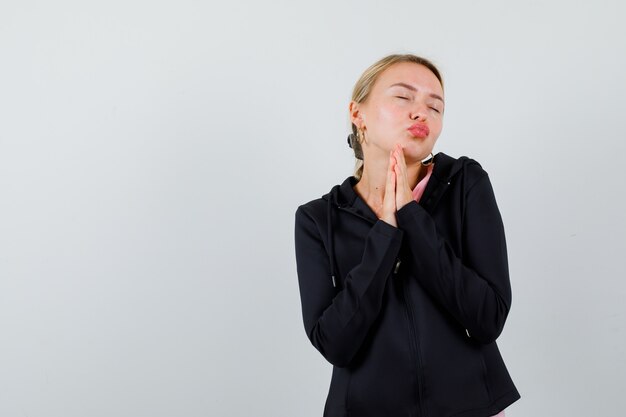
410 209
386 229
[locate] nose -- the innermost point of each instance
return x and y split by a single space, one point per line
418 112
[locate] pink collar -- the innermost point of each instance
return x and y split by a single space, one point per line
421 186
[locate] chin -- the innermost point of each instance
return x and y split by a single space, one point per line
417 152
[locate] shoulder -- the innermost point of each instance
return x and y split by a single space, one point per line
338 194
312 218
314 209
448 168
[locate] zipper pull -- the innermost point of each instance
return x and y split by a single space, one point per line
397 267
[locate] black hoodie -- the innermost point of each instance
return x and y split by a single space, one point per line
409 316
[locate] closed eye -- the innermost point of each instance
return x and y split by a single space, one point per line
435 109
402 97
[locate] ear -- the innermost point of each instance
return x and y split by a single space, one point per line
356 116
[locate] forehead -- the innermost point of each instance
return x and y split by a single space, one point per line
410 73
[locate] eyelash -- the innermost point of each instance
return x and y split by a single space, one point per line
406 98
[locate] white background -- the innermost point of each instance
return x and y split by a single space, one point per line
153 154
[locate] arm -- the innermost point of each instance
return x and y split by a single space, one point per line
337 322
475 290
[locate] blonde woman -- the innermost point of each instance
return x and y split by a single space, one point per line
403 267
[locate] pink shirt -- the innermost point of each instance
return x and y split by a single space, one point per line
417 194
421 186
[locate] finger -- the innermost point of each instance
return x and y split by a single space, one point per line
400 177
397 158
390 186
392 160
389 200
401 188
391 178
399 155
404 193
402 169
388 211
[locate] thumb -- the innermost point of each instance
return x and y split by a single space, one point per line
389 199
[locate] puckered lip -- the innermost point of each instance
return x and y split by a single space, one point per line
419 129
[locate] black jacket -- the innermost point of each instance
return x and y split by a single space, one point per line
409 316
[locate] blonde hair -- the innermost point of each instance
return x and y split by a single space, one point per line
364 85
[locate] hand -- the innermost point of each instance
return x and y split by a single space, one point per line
389 200
403 192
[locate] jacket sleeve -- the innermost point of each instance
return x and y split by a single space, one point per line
337 321
476 290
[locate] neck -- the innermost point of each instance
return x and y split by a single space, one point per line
371 186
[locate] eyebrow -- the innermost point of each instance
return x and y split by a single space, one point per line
410 87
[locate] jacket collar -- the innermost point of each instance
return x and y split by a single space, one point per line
446 167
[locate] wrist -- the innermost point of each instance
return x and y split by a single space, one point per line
390 220
404 201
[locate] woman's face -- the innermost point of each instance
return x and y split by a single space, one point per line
404 106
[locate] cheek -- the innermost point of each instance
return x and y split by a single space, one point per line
436 123
387 113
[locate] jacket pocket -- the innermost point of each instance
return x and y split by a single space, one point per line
454 370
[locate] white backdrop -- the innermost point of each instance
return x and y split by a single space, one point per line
153 154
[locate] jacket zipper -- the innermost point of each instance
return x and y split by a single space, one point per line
410 314
414 347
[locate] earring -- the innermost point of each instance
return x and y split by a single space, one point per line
360 135
428 161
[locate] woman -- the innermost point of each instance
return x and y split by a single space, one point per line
403 268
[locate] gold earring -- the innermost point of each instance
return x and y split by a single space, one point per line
360 135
